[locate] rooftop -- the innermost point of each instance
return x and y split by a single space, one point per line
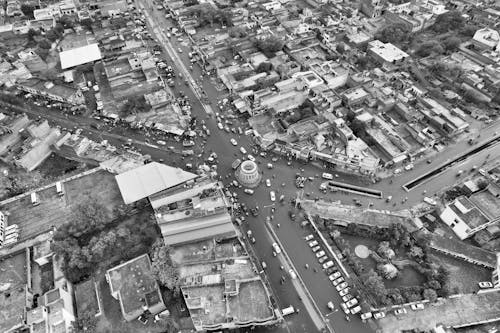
79 56
134 286
387 51
86 299
149 179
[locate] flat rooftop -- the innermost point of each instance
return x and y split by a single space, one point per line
487 202
457 312
55 210
86 298
473 217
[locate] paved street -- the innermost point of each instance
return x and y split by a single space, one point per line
290 234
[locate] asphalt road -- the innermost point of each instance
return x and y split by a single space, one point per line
290 233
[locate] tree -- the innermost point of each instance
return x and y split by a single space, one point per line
44 44
375 284
270 45
384 250
237 32
362 62
85 323
163 268
429 294
449 21
27 10
429 47
433 284
340 48
264 67
416 252
451 43
31 34
395 33
67 22
52 35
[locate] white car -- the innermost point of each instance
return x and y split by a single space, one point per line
161 142
365 316
219 125
335 276
347 297
248 191
276 248
309 237
268 183
273 196
330 306
416 307
344 308
355 310
344 292
251 158
180 50
379 315
233 142
320 254
341 286
338 281
292 274
401 311
316 248
313 243
485 285
327 264
242 149
352 302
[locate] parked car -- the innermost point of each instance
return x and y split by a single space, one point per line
344 308
347 297
248 191
338 281
272 195
276 248
330 305
313 243
268 183
355 309
322 259
309 237
319 254
335 276
379 315
485 285
341 286
366 315
233 142
331 270
352 302
242 149
316 248
328 264
418 306
400 312
344 292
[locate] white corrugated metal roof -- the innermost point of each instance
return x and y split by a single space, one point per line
149 179
79 56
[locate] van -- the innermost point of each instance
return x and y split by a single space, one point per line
327 175
287 311
59 189
34 199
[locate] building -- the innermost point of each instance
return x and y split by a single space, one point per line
52 91
487 38
79 56
248 174
464 218
495 278
134 286
386 53
9 130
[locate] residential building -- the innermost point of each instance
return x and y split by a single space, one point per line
134 286
487 38
446 121
386 53
52 91
10 126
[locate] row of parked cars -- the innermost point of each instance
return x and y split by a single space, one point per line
350 303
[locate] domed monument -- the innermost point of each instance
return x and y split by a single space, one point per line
248 174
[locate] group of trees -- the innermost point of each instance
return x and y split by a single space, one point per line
208 15
163 268
94 239
270 45
394 33
134 105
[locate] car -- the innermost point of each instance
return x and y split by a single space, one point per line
485 285
316 248
320 254
417 306
180 50
292 274
219 125
344 308
327 264
251 158
248 191
366 315
400 312
352 302
355 309
330 305
272 195
309 237
313 243
341 286
334 276
323 259
338 281
331 270
243 150
233 142
344 292
409 167
346 297
268 183
379 315
276 248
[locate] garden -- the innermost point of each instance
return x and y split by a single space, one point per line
393 266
